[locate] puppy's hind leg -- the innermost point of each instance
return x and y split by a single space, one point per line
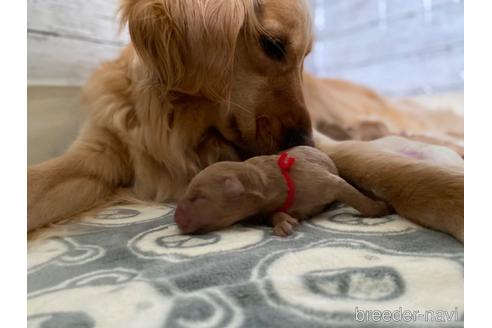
347 194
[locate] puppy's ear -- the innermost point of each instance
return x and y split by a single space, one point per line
189 44
233 187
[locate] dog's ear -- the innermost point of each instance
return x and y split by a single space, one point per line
189 44
154 33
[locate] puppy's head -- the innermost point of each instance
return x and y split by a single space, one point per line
244 55
216 198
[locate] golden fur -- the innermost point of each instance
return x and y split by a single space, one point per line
344 110
202 81
429 194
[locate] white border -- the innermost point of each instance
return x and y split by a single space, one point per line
478 169
478 130
13 134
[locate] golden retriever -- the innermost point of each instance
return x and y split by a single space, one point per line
201 81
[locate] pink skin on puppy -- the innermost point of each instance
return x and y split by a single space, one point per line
438 155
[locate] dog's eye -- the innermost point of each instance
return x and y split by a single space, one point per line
273 48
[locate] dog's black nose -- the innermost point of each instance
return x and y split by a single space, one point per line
295 138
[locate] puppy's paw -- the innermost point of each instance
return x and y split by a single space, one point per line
285 228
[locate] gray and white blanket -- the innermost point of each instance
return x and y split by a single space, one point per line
130 267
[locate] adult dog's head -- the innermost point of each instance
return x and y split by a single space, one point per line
245 56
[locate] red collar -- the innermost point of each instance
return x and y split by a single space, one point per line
285 163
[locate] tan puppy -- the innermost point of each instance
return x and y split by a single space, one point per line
435 154
228 192
423 183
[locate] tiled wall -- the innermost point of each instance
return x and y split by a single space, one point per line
399 47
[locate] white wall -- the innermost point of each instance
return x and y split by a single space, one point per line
397 46
67 39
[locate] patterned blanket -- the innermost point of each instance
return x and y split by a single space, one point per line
130 267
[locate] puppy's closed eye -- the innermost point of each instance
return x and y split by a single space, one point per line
273 47
197 197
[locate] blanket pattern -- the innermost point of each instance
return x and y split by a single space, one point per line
130 267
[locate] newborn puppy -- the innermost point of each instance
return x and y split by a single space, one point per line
438 155
227 192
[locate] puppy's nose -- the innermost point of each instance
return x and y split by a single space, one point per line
295 138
